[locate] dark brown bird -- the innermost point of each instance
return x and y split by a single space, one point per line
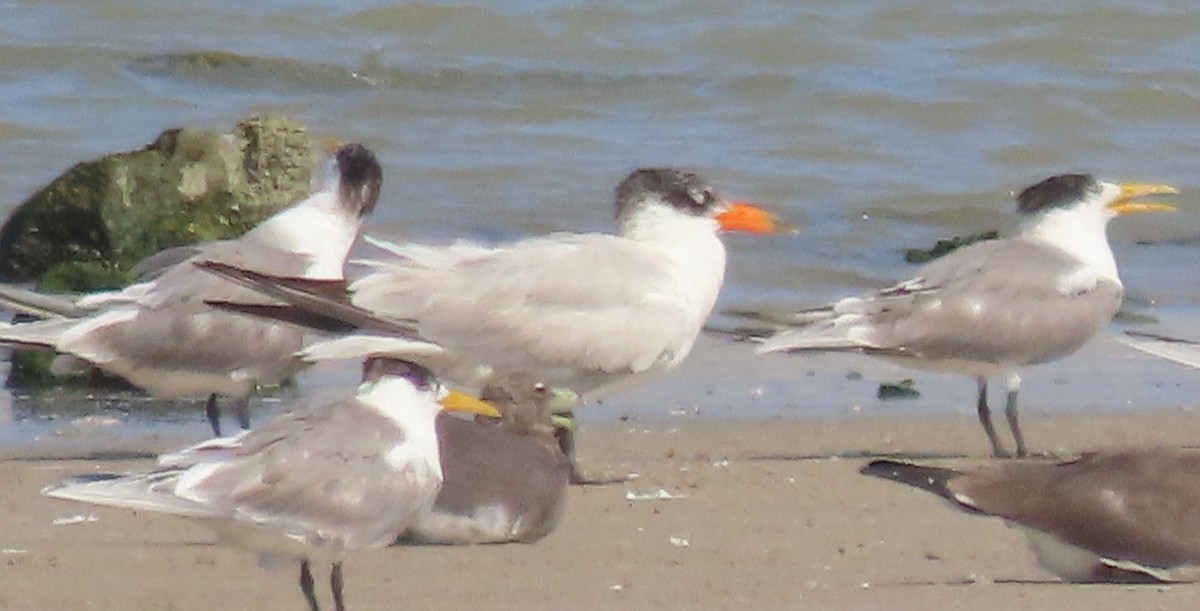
503 480
1127 516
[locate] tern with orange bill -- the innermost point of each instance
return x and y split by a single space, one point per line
993 307
580 311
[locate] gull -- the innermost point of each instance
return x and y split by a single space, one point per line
1126 516
503 481
317 482
580 311
991 308
159 334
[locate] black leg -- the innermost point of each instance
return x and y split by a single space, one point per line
566 437
335 584
1010 412
213 413
985 418
566 443
241 407
306 586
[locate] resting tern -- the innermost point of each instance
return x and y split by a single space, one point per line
503 481
162 337
314 483
990 308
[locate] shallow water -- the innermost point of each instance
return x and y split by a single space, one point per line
876 125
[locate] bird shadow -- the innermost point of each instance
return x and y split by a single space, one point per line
868 454
96 456
858 454
1029 582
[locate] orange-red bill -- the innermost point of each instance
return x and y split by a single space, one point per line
741 216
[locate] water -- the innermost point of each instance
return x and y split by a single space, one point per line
876 125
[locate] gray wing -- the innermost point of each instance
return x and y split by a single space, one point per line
187 348
163 337
1137 506
24 301
1011 302
563 303
320 474
156 264
186 283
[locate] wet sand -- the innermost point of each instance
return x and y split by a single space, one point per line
771 515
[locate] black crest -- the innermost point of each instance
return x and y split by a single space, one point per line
360 177
683 190
1056 191
376 367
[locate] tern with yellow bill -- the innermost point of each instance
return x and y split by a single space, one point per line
994 307
324 479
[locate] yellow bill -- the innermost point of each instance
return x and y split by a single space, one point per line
464 403
1130 191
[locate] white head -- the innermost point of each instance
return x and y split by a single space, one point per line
660 197
1071 212
325 224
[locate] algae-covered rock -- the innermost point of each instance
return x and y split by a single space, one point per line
236 71
904 389
100 217
941 247
1130 317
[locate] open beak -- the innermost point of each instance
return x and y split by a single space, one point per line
741 216
1130 191
461 402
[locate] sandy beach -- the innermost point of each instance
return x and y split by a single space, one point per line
766 515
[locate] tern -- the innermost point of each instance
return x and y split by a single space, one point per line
1125 516
159 334
991 308
503 481
319 481
579 311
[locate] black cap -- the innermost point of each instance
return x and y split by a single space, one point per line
1056 191
684 191
360 177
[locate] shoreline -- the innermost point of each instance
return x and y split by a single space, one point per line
770 513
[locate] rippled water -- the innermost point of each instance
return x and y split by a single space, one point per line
877 125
